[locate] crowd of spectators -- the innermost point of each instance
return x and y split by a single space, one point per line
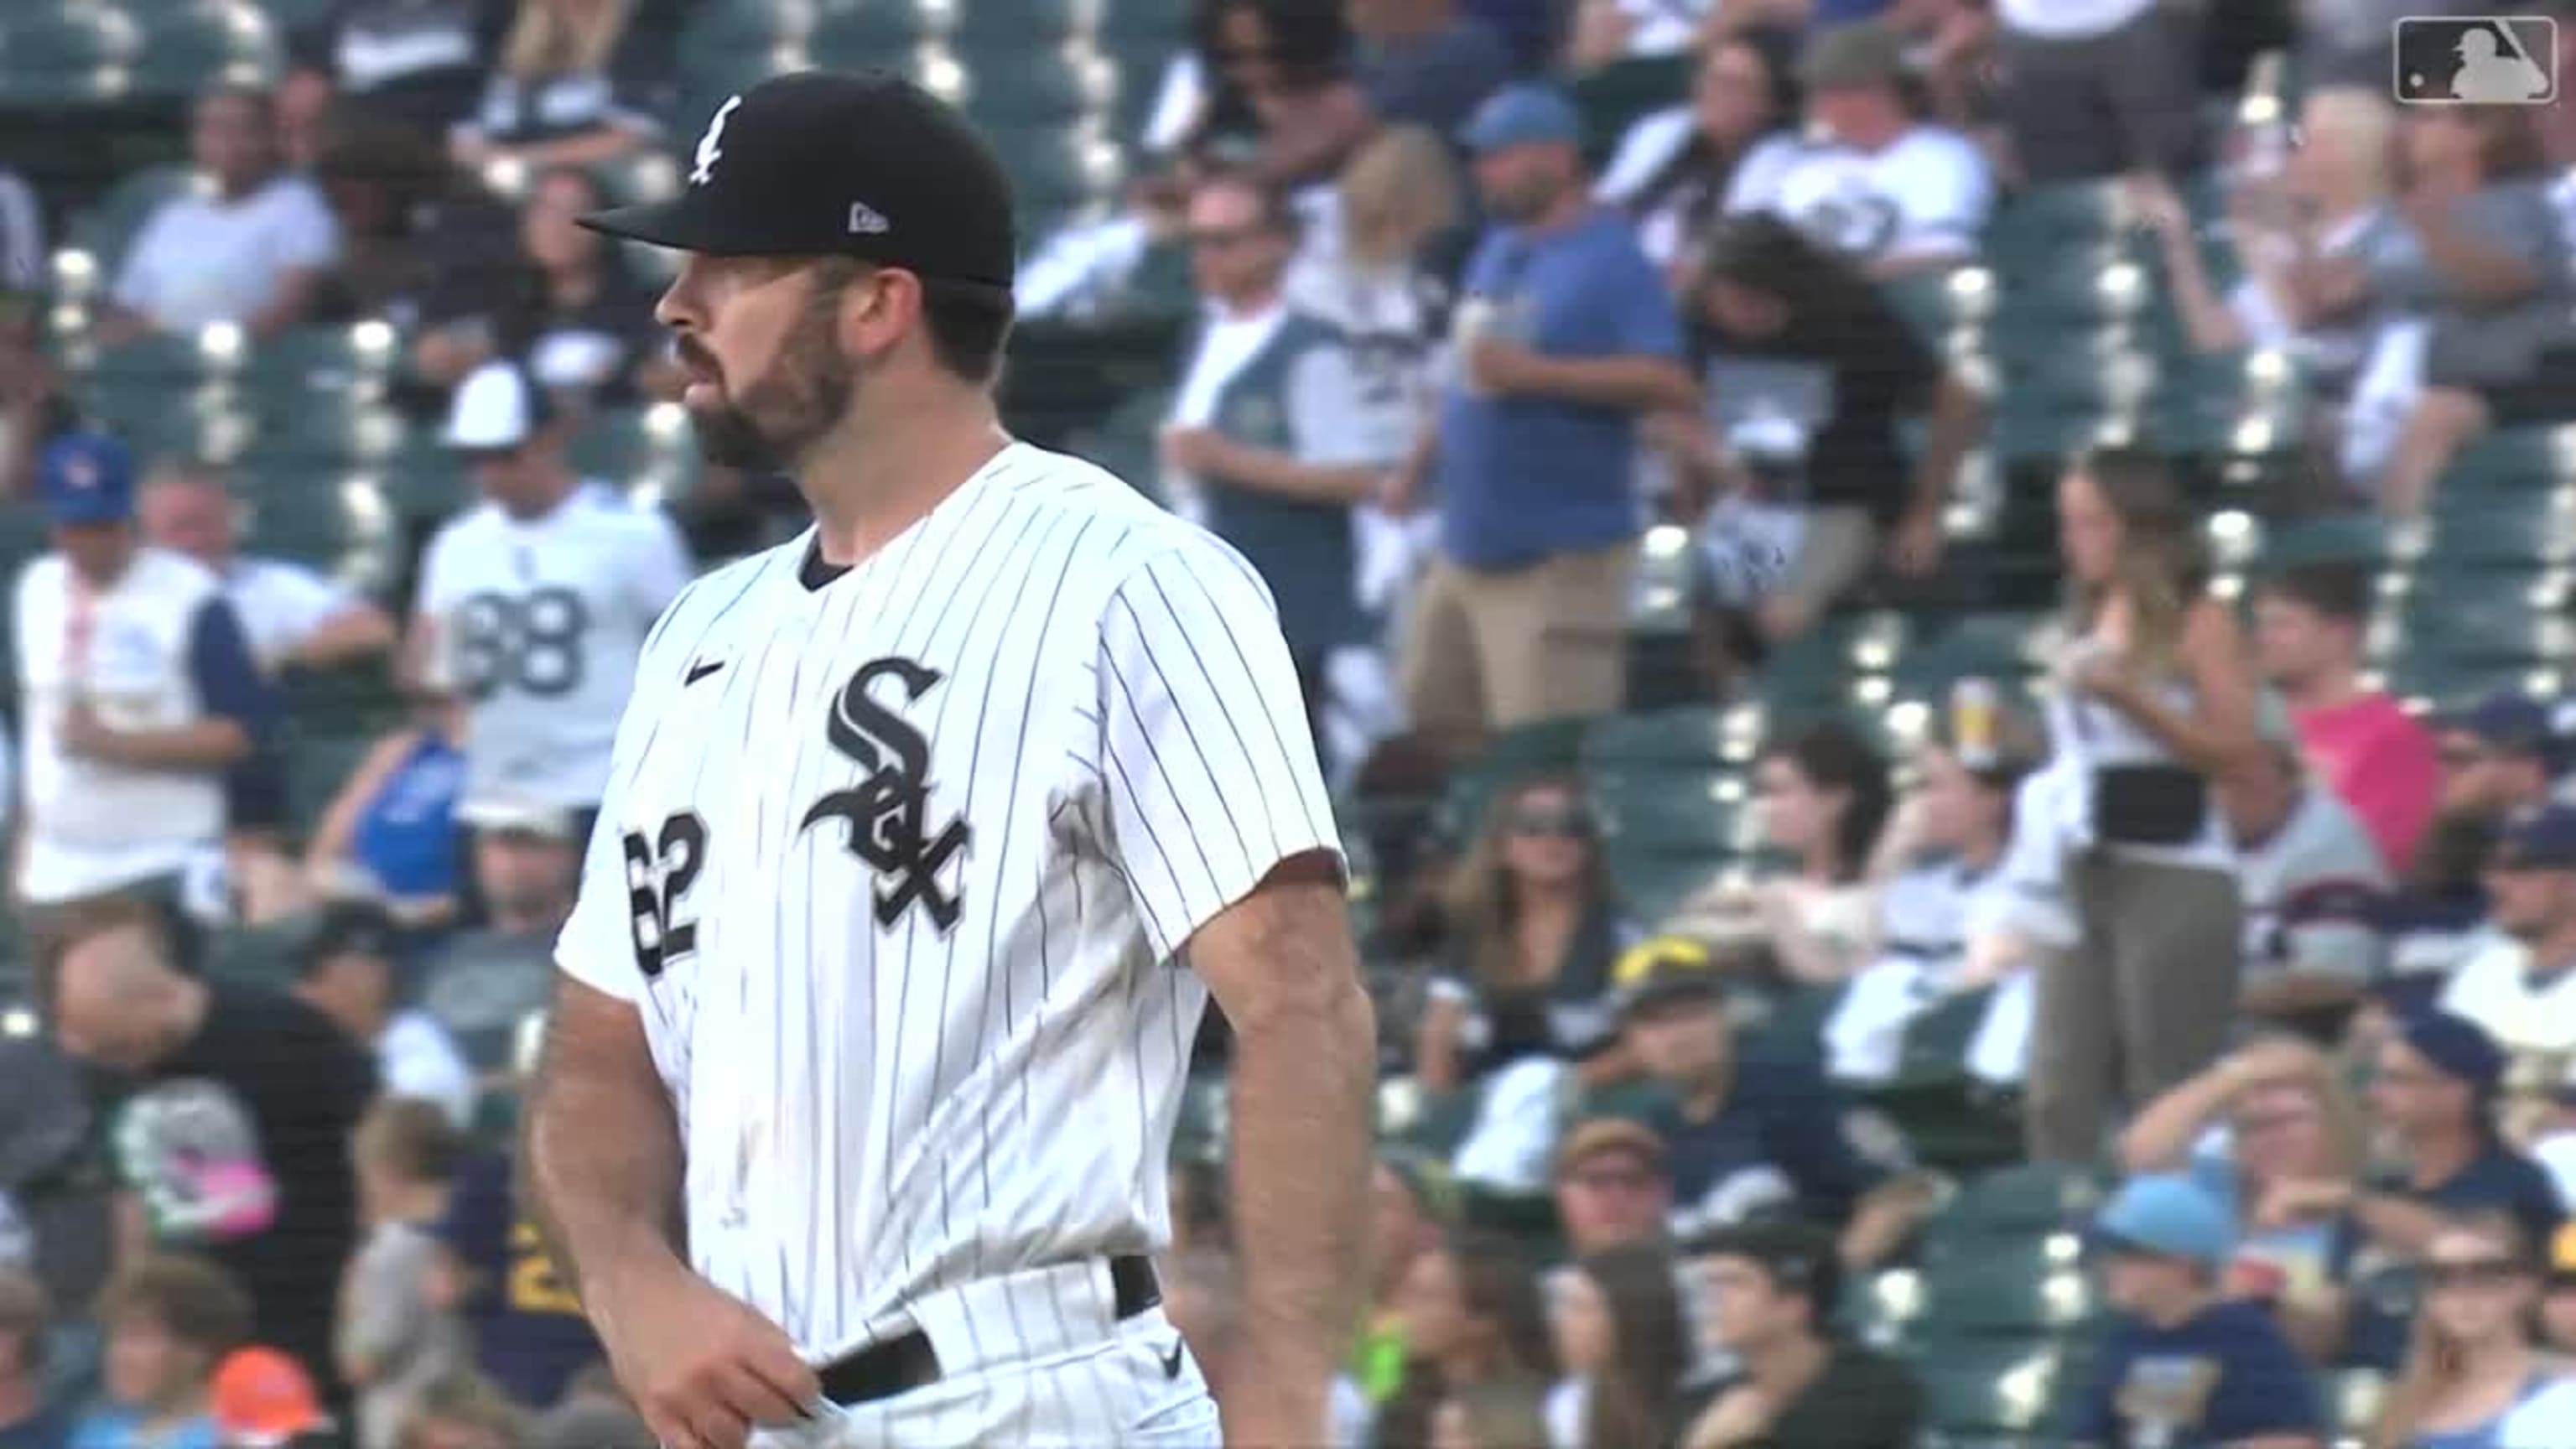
2280 963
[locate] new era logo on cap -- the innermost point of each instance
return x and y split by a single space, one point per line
866 220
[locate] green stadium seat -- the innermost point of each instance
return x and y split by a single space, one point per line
1059 170
1982 1388
188 46
292 369
1881 1308
1692 739
2023 1201
1163 23
2018 1287
68 53
995 28
2515 460
2538 526
1676 811
1035 86
1615 96
878 32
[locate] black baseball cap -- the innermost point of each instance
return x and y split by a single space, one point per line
860 164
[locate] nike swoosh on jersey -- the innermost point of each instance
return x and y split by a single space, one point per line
701 671
1172 1360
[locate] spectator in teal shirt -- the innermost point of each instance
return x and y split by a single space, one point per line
1565 338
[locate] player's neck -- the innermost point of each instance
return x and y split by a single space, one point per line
879 473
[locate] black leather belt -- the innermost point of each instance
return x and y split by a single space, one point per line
900 1365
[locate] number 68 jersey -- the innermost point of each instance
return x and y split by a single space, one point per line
537 623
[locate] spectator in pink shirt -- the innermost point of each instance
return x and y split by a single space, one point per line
2308 624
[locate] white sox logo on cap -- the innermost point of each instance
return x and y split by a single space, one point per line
711 145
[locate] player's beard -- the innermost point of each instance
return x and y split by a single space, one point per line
774 421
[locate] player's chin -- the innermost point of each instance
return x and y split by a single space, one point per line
727 438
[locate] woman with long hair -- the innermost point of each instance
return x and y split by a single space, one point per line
577 85
1625 1345
1823 795
1674 169
2475 1377
1533 931
1473 1317
2155 699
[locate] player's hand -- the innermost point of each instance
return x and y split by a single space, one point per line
703 1367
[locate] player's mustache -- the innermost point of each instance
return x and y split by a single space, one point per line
695 354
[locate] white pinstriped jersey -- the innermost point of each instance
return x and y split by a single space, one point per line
896 869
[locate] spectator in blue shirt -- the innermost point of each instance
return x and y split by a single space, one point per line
2187 1368
1566 337
2433 1093
170 1321
1749 1134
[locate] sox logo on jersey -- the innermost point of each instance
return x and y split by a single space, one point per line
887 812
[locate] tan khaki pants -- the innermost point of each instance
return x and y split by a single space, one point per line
2141 1003
1488 651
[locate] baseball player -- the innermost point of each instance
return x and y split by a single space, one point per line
927 836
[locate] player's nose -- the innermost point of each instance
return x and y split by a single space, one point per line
680 308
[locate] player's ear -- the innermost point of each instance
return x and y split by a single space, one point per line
878 310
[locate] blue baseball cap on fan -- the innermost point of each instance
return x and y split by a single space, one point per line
85 479
2168 1215
1523 115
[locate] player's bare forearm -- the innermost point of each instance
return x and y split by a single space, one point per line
602 1151
1282 965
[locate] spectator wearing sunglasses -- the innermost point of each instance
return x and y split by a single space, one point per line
2187 1367
1534 930
2474 1376
2432 1094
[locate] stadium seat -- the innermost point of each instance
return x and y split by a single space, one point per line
877 32
1981 1388
2016 1202
1615 96
1037 85
186 46
1059 171
320 764
2009 1287
982 29
1673 811
1695 739
68 53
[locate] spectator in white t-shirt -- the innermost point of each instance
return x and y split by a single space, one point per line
247 248
2523 990
295 616
1896 193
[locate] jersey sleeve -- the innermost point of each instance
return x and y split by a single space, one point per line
597 945
1204 755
